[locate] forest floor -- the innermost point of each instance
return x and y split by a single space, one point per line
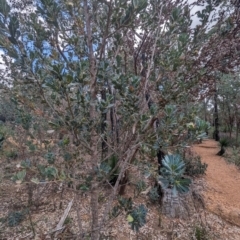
220 220
222 195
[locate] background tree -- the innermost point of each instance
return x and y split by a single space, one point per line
228 97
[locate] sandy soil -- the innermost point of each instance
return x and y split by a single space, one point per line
222 196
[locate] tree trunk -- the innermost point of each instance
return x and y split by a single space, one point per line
216 119
205 108
103 127
114 122
230 120
93 115
94 208
237 130
175 206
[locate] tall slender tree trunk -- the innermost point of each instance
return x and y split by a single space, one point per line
237 130
103 127
93 114
205 102
160 153
237 121
216 117
230 119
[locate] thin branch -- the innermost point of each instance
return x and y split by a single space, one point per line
153 52
59 49
131 153
106 31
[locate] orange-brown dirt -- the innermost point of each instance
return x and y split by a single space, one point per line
222 195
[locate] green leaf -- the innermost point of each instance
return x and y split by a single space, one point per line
13 27
165 182
125 203
67 156
26 163
138 214
182 185
139 5
4 7
21 175
130 218
15 218
172 174
50 157
35 180
50 172
175 13
54 125
65 141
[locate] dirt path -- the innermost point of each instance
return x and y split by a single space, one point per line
222 195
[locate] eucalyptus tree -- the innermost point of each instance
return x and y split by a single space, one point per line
107 72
